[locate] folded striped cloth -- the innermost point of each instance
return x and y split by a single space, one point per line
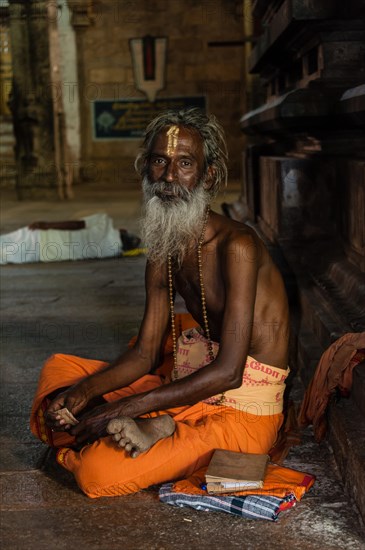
250 506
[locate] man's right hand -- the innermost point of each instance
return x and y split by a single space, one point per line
74 399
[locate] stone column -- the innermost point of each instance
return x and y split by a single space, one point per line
83 15
31 100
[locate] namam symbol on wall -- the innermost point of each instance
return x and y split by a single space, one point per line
149 60
105 122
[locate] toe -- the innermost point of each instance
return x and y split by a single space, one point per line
123 441
114 426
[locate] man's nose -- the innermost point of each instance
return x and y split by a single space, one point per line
170 172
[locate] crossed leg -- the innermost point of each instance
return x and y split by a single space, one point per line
137 436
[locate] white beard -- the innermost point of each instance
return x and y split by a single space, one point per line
172 226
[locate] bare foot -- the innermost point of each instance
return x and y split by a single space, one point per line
137 436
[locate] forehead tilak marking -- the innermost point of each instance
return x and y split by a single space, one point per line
172 137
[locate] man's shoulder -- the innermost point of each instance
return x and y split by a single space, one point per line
239 240
229 226
231 232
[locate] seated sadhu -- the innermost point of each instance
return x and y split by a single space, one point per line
213 378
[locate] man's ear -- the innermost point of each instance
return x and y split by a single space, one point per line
209 178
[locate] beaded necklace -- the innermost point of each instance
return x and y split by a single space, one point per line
203 301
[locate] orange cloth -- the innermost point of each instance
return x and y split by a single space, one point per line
334 370
288 436
278 482
103 469
65 370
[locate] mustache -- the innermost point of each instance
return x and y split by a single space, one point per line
175 189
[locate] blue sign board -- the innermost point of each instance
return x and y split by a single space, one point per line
128 118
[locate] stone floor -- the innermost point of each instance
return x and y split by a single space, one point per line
92 308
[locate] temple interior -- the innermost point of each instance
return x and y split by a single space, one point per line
80 80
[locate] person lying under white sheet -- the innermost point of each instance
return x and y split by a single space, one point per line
91 237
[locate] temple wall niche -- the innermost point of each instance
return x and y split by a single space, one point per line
194 67
71 54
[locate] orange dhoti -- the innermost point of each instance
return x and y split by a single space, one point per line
104 469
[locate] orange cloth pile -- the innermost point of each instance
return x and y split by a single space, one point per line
334 369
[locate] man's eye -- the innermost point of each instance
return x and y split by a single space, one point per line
186 163
158 161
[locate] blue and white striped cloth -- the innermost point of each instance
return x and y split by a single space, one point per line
250 506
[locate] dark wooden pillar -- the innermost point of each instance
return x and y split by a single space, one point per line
305 174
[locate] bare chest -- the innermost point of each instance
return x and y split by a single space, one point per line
188 282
